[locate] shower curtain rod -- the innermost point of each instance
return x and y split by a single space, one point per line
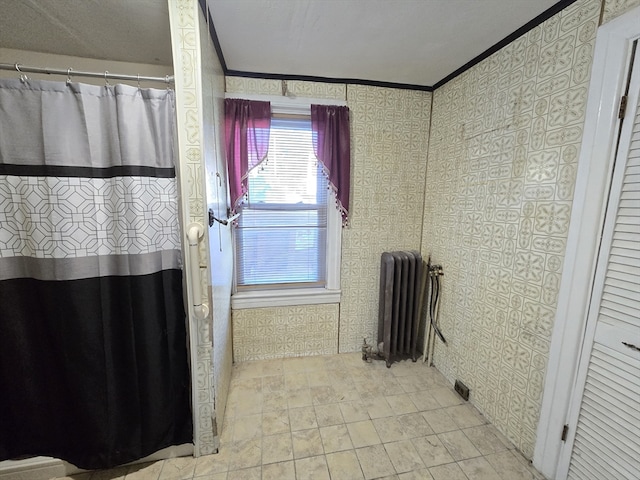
70 72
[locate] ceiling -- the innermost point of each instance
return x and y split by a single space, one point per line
123 30
413 42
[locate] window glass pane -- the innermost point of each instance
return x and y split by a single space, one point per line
281 234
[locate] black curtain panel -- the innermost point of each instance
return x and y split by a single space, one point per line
93 344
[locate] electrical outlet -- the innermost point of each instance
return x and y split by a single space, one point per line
462 389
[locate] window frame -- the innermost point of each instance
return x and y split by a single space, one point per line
260 297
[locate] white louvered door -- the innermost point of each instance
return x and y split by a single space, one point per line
606 418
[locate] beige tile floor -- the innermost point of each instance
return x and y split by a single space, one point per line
339 418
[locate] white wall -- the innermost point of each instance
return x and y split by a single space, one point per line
220 249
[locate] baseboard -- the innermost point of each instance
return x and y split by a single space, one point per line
36 468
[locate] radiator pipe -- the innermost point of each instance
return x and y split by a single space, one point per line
433 302
436 273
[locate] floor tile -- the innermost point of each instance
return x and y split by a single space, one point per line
420 474
509 467
249 405
299 398
403 456
403 368
251 369
307 443
117 473
254 473
479 469
439 421
273 366
344 466
390 429
226 432
145 471
363 433
180 468
247 427
277 448
354 411
312 468
294 365
302 418
335 438
485 439
390 385
432 451
375 462
346 393
378 407
458 445
215 463
424 401
273 383
243 386
296 381
275 401
318 378
465 416
213 476
245 454
414 425
78 476
279 471
275 422
327 415
337 417
446 397
450 471
401 404
409 384
323 394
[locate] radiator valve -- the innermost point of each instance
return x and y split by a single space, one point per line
367 351
369 354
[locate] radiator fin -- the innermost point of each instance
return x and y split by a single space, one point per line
399 316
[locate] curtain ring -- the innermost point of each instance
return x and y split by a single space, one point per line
166 79
69 75
23 76
138 80
106 80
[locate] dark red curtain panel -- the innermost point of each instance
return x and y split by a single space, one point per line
332 145
246 135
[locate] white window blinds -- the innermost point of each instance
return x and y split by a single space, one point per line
281 234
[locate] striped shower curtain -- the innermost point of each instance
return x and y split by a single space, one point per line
93 356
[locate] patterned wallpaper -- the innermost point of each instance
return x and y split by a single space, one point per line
502 163
186 56
389 130
279 332
615 8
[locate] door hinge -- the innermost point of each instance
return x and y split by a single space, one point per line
623 107
565 431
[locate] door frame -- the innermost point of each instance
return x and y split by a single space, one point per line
608 82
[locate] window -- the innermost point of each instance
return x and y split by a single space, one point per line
287 240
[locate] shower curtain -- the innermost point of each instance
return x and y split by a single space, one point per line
93 355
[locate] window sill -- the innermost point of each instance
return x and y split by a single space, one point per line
284 298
